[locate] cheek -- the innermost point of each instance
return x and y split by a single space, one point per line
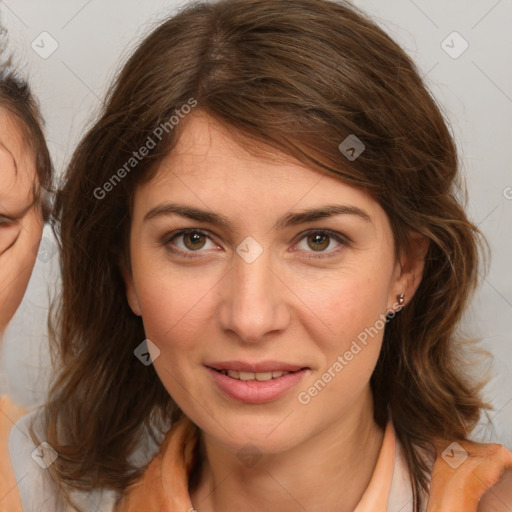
16 268
347 328
12 290
354 310
8 234
173 304
346 305
177 314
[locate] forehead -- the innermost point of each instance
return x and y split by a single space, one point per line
17 162
210 170
213 156
205 144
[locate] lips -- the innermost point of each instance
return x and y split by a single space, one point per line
256 382
261 367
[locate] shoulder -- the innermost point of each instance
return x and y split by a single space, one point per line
31 460
29 463
471 476
10 413
35 487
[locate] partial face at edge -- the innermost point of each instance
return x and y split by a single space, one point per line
21 221
296 293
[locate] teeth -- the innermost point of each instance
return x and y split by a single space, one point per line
260 376
263 376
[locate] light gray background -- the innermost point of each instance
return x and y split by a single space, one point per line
475 90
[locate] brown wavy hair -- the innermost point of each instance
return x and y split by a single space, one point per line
298 76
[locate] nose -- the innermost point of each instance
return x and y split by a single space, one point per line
253 300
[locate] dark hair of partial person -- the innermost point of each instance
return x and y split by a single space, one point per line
17 98
298 77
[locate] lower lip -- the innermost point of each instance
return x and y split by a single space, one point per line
255 391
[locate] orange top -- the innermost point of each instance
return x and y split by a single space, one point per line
175 460
164 484
376 496
466 476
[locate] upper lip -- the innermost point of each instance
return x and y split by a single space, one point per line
263 366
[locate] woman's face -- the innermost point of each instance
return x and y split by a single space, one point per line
256 284
21 221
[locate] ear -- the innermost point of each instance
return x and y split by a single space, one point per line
131 294
410 267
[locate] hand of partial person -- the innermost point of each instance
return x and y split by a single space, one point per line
21 220
481 483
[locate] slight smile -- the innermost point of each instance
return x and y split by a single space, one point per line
256 382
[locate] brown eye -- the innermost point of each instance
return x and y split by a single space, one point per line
322 243
194 241
189 243
318 241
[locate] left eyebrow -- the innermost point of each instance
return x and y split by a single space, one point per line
313 214
291 219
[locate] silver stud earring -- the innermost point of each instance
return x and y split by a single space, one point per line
401 299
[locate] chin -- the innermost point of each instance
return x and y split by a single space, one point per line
266 434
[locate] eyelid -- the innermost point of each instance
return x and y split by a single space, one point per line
6 220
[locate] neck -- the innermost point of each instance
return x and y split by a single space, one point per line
317 475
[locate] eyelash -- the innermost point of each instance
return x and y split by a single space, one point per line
342 240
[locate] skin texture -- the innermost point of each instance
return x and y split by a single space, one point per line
21 221
286 305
